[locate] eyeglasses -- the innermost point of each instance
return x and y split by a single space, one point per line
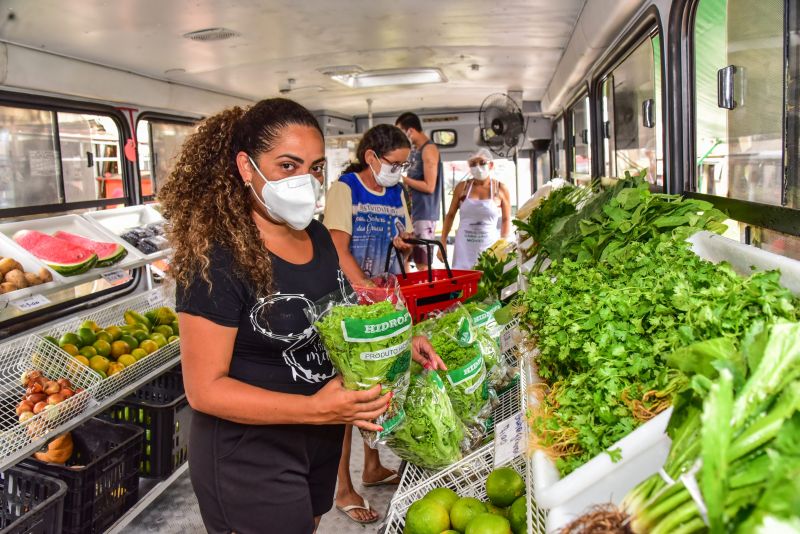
397 166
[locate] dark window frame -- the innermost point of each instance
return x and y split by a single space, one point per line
450 130
160 117
583 91
683 154
645 27
562 116
56 105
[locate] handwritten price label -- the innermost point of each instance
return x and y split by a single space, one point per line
508 339
116 277
509 439
30 303
154 298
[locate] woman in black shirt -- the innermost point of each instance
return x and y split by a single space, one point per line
248 259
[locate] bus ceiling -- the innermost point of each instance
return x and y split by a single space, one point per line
201 56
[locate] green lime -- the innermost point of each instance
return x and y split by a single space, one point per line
159 339
172 338
503 486
91 325
149 346
426 516
52 340
164 330
126 360
175 329
87 336
139 353
102 335
89 352
102 347
465 510
488 524
70 349
99 363
444 496
140 335
496 509
518 516
115 331
70 338
130 340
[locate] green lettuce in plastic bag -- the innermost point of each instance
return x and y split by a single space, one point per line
430 436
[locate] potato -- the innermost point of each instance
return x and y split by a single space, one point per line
32 279
7 287
45 275
17 278
6 265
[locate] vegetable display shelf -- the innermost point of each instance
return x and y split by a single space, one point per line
508 404
30 264
33 352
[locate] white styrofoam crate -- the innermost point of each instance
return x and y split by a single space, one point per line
77 225
120 220
9 249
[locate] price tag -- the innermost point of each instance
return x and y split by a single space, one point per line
154 298
509 439
30 303
116 277
508 339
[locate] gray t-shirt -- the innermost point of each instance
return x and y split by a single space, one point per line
425 206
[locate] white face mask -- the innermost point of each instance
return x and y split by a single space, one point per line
291 200
479 173
387 178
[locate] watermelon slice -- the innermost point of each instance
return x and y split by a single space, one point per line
107 253
64 258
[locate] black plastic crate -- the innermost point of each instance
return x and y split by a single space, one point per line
161 409
102 476
31 503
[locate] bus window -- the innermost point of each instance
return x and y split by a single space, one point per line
90 157
581 141
559 149
739 99
630 100
159 143
52 157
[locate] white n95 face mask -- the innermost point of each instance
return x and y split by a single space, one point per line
291 200
479 172
385 177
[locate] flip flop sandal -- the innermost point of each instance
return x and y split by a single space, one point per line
347 509
391 480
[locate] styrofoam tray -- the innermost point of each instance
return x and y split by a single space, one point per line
716 248
9 249
601 480
77 225
120 220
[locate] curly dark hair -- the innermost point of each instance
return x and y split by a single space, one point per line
207 203
383 139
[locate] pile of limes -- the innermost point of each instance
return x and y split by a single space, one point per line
442 511
109 350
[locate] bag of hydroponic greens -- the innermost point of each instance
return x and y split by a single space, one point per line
455 340
501 375
431 434
367 334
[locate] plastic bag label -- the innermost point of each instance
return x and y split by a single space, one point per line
377 329
436 381
483 317
390 424
466 372
465 335
389 352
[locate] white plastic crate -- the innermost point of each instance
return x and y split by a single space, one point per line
507 405
113 315
35 353
468 479
119 220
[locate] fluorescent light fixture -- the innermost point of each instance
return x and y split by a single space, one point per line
386 77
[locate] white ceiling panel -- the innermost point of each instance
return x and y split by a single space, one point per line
516 44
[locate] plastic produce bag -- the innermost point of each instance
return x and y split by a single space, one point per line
367 334
431 434
455 339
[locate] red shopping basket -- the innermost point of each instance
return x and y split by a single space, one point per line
434 289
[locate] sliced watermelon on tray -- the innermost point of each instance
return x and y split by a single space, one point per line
63 257
107 253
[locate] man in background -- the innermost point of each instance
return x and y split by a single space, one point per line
424 181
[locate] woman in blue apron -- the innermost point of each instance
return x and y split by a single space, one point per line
484 212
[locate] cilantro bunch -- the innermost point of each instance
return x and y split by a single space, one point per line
431 434
604 331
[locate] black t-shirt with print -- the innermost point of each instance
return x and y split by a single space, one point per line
276 348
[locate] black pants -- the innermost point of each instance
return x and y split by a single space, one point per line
263 479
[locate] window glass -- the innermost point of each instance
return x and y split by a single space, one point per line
777 242
560 149
145 157
444 138
90 157
165 140
29 167
581 140
739 100
631 103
